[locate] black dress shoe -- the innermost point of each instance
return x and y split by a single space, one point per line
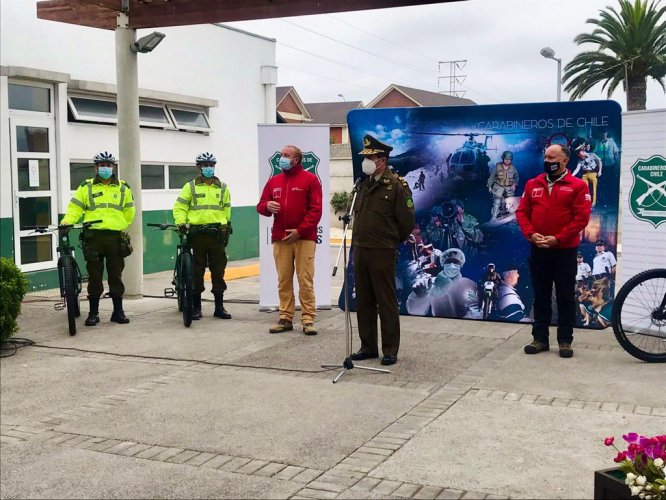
389 360
92 319
361 355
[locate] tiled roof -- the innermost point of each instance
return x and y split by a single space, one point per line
334 113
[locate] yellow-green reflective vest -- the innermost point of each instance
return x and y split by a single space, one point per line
200 203
111 203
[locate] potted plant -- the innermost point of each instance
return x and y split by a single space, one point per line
640 472
14 286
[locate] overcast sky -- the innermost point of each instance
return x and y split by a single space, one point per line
358 54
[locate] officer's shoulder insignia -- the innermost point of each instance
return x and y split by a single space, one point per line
387 181
403 181
84 183
125 182
409 203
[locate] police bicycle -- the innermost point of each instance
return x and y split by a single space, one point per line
183 272
69 274
639 316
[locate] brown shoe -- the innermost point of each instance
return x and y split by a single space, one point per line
566 351
536 347
309 329
281 326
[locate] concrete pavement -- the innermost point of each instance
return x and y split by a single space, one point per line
226 410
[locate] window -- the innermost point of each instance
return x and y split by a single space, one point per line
180 174
103 109
79 172
29 98
93 110
152 177
190 119
154 116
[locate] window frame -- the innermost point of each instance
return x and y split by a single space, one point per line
168 174
202 111
30 83
87 118
165 175
170 125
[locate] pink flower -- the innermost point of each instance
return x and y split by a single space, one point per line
609 441
621 457
631 438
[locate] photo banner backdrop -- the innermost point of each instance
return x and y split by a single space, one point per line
467 167
313 140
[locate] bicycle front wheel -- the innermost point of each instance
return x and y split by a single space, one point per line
639 316
69 288
186 288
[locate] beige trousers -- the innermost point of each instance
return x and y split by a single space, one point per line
591 178
299 255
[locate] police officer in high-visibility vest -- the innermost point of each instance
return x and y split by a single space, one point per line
109 199
206 200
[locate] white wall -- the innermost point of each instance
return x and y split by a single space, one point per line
203 61
643 245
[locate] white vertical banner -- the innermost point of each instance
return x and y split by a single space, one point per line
643 192
313 140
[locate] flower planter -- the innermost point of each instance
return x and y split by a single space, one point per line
609 484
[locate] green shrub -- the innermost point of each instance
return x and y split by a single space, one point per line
14 286
339 201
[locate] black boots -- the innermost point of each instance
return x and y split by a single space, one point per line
118 315
220 312
93 315
196 306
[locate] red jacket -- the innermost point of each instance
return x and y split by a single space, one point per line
563 213
299 194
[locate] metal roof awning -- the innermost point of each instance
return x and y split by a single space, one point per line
162 13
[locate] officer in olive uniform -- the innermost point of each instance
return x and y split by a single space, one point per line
502 182
108 199
384 218
206 200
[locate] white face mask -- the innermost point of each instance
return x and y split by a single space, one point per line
368 166
451 270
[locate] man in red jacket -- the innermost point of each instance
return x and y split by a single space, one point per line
554 209
293 199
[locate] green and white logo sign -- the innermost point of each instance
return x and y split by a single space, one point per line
647 198
310 163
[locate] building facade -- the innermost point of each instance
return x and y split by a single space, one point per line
204 88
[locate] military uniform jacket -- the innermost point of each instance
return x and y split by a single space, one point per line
384 213
504 178
200 203
111 203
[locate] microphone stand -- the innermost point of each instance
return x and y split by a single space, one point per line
348 364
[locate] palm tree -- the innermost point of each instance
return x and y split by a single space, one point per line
631 46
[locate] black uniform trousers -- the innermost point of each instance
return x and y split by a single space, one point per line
374 276
100 246
209 250
557 266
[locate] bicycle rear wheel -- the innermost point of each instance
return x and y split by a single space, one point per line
186 289
69 289
639 316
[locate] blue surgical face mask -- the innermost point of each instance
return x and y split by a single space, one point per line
208 172
284 163
105 172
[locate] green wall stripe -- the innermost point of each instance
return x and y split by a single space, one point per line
159 247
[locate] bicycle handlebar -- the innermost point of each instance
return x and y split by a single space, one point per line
61 227
164 227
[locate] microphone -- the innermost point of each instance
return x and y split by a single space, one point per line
357 183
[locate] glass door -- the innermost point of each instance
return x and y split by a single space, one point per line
35 190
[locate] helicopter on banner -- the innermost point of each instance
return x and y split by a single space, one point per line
470 161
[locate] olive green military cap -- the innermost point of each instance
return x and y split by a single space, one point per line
372 146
